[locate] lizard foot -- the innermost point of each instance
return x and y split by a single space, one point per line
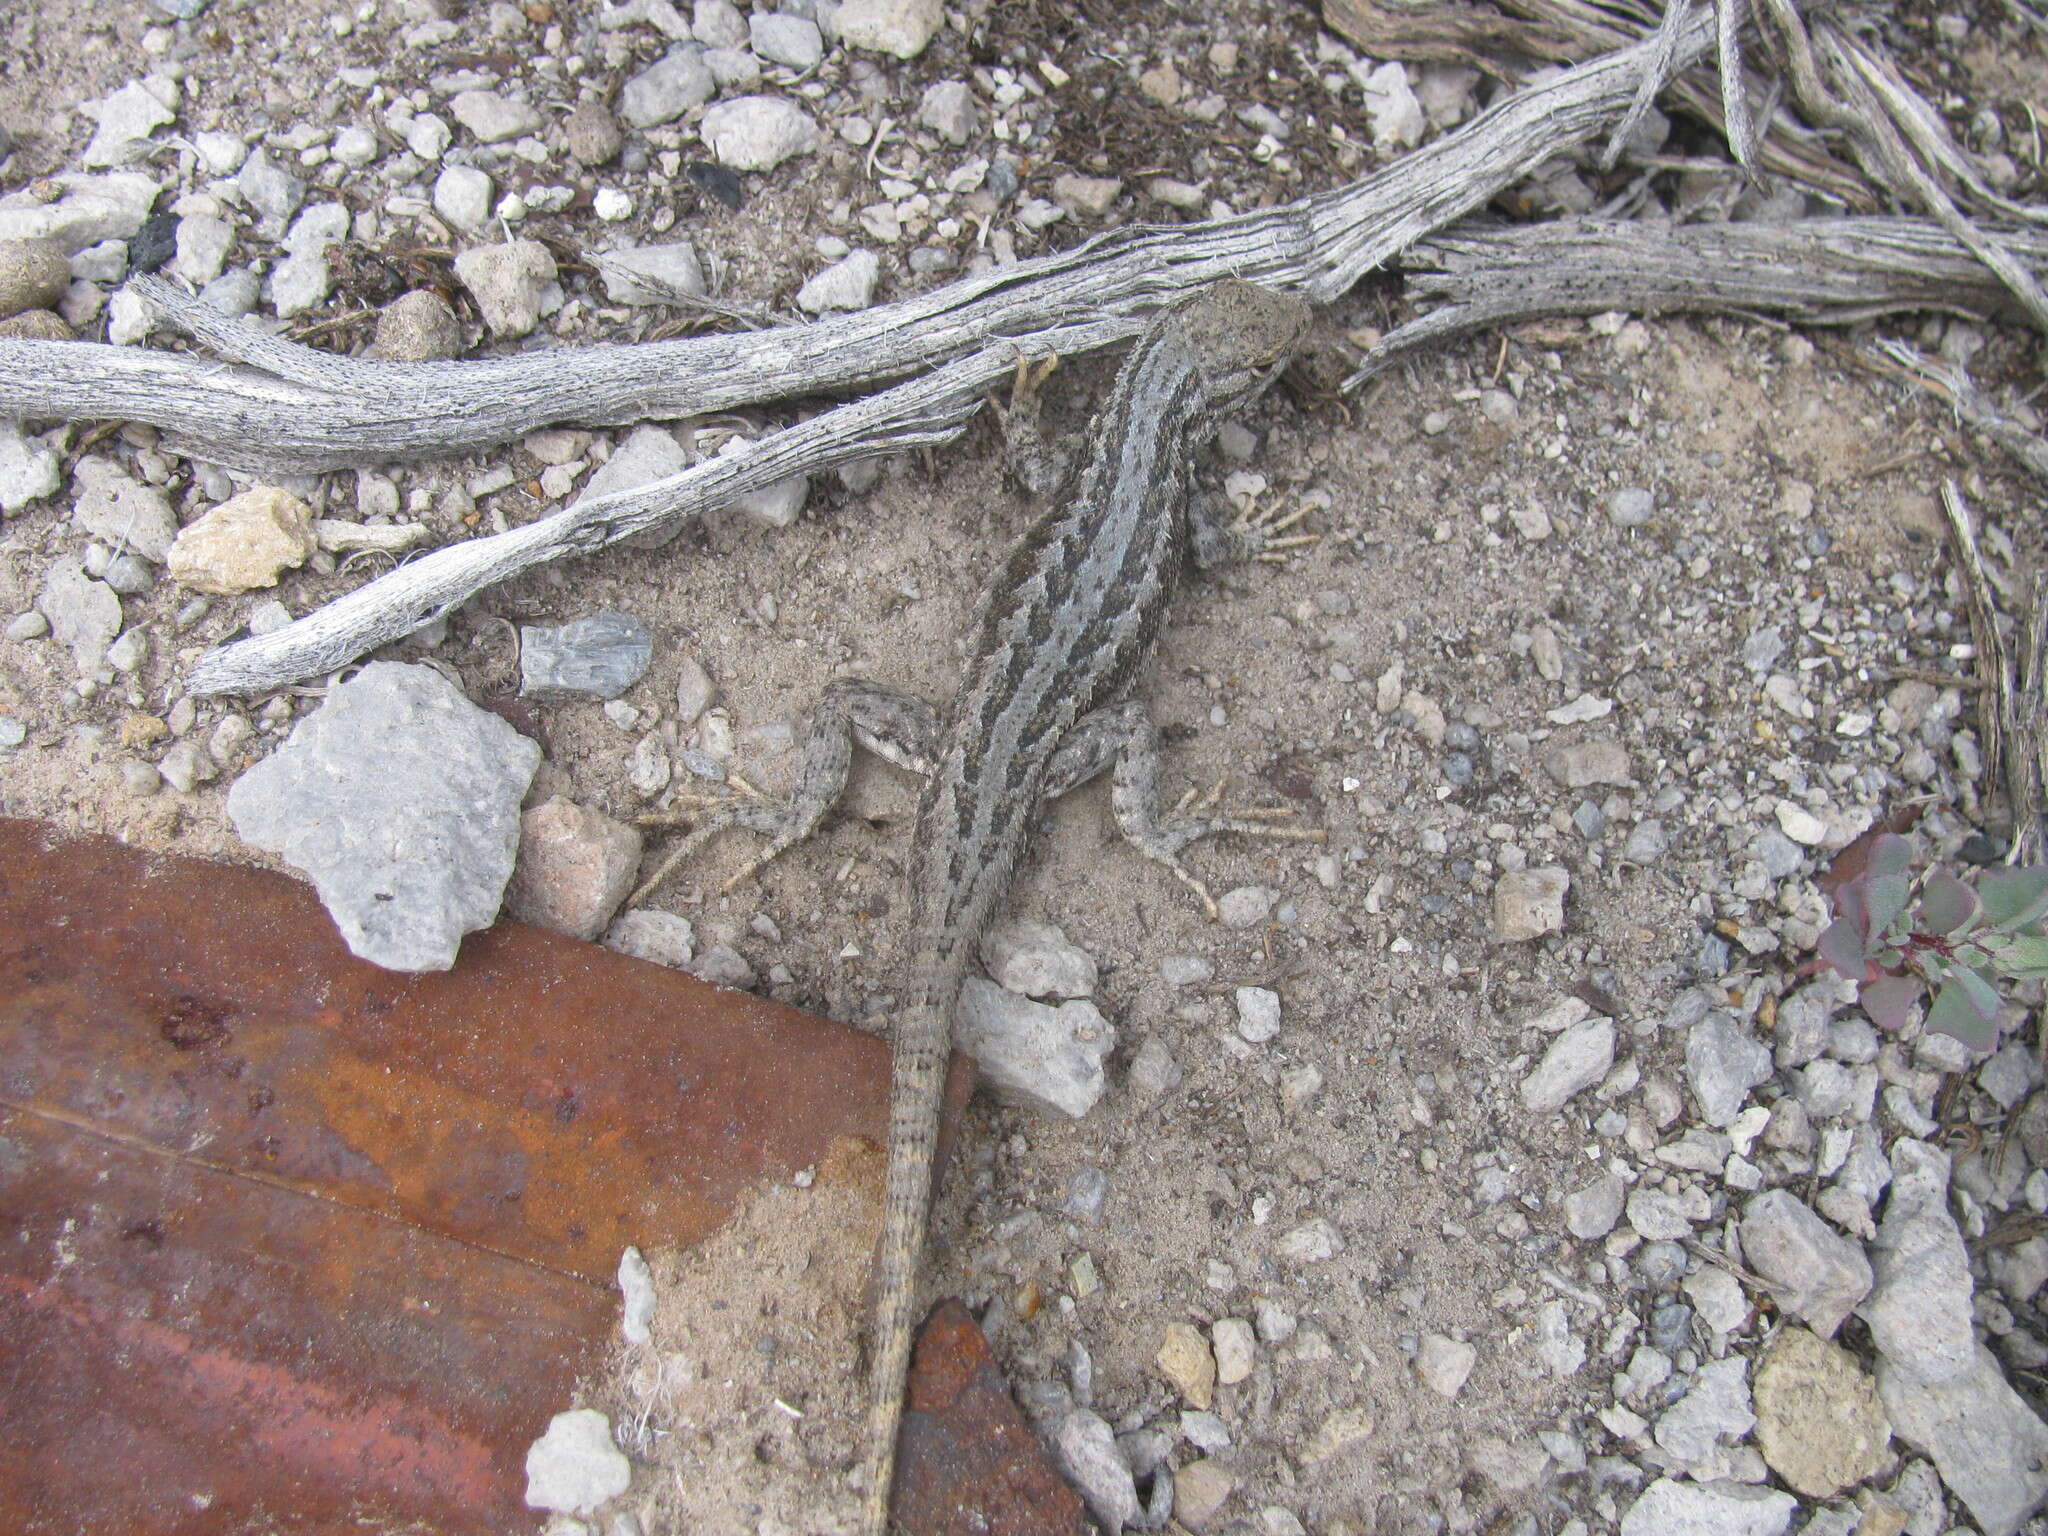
1259 531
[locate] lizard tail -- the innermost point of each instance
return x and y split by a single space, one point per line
915 1094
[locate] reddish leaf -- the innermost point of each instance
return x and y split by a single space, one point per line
1946 903
1878 850
1841 946
1889 1000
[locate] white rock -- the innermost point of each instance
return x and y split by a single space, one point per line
660 937
574 1469
1047 1059
1313 1242
667 88
508 282
1664 1215
120 510
1919 1311
784 39
1529 903
492 118
462 196
126 120
848 283
612 205
636 1286
84 614
1086 1449
1801 825
900 27
1258 1014
1397 117
757 133
1591 1212
87 210
1716 1409
203 245
1670 1508
776 505
1235 1348
1989 1446
1576 1060
29 468
1722 1064
651 274
1717 1297
1035 960
1444 1364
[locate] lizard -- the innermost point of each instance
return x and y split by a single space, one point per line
1060 630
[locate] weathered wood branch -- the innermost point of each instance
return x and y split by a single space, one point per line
275 405
1815 272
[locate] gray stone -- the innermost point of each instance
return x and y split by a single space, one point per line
947 108
1816 1274
899 27
1585 764
33 275
1919 1312
1715 1409
1721 1065
1444 1364
203 246
1035 960
270 190
1668 1215
785 39
662 938
84 614
1046 1059
119 510
1529 903
733 68
718 24
492 118
1989 1446
400 799
1154 1071
598 657
651 274
29 468
2009 1076
574 1469
1718 1297
355 146
636 1294
1087 1452
508 281
88 209
575 866
1561 1350
127 118
416 327
847 284
756 133
1576 1060
776 505
592 133
1631 508
667 88
648 454
1591 1213
1258 1014
1671 1508
1818 1420
234 293
462 196
1802 1024
1647 842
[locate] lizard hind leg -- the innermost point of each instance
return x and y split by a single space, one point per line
899 727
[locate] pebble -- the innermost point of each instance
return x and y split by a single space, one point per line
428 136
127 117
1591 1212
244 543
611 205
1585 764
88 209
29 468
774 506
1718 1297
416 327
33 275
1668 1215
1046 1059
575 1469
1631 508
1576 1060
270 190
1561 1351
492 118
203 243
1086 1192
899 27
1443 1364
1088 196
1919 1310
651 274
462 196
394 760
1529 903
1185 1360
1715 1408
757 133
650 770
783 39
1258 1014
355 146
947 108
1815 1274
592 134
1085 1448
129 651
718 24
36 325
1315 1241
662 938
598 657
1722 1063
1397 118
1200 1490
1246 906
508 281
26 626
1989 1446
1154 1072
1035 960
848 284
1818 1420
121 511
84 615
636 1290
575 866
1671 1508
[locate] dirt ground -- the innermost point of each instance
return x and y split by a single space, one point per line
1393 684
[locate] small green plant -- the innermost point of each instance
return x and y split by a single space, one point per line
1898 938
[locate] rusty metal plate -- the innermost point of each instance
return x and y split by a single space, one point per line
288 1242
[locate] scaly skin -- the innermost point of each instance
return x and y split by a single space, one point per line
1060 633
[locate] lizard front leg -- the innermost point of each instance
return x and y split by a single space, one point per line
898 727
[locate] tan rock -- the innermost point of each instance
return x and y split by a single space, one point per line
1199 1491
244 543
1339 1432
33 275
1528 903
575 866
1235 1348
1184 1359
35 325
1819 1423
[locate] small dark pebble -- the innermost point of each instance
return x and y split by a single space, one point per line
153 244
1458 769
1434 902
1713 961
1983 848
1819 542
715 181
1671 1326
1003 179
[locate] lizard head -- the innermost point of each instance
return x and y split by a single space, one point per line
1238 336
